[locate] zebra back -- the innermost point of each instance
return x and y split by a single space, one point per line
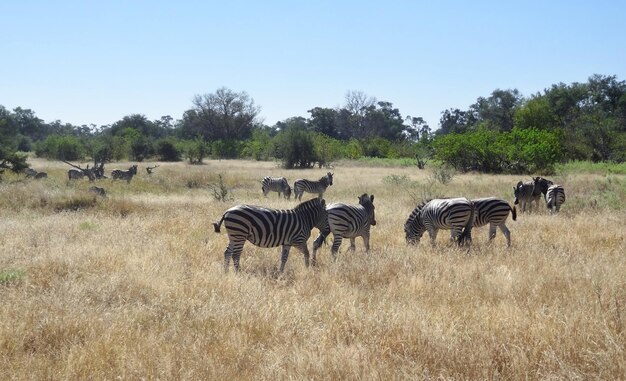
352 220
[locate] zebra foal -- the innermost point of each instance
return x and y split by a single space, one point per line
124 175
303 185
454 214
266 228
348 221
493 211
555 197
276 184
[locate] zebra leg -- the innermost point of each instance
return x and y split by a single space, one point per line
366 242
336 243
305 250
352 244
233 250
492 231
433 235
285 255
506 233
316 245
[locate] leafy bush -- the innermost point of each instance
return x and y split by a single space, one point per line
167 150
295 148
60 147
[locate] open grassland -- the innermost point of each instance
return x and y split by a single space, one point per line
132 286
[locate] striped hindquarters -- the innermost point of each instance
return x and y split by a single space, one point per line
555 197
352 220
491 210
523 192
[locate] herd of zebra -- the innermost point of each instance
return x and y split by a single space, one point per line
267 227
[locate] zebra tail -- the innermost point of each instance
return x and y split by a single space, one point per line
466 236
514 213
216 225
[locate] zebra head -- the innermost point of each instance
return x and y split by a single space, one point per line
541 185
368 203
287 192
329 178
414 227
133 169
517 192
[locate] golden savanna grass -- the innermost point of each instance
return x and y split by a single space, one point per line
132 286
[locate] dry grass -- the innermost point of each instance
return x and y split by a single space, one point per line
131 286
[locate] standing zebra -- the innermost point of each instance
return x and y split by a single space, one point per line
319 187
276 184
266 227
348 221
124 175
493 211
455 214
555 197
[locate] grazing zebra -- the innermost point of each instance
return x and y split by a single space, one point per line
266 227
555 197
124 175
75 174
455 214
348 221
493 211
276 184
319 187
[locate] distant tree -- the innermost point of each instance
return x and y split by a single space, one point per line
9 158
223 115
295 147
497 110
324 121
167 150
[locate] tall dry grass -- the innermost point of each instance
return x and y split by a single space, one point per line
132 286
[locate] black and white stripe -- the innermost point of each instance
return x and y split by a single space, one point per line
493 211
124 175
266 227
555 197
523 193
276 184
541 188
303 185
348 221
455 214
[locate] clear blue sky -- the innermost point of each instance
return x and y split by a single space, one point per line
85 62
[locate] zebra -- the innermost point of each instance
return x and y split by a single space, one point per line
348 221
303 185
276 184
555 197
266 228
125 175
524 194
75 174
455 214
493 211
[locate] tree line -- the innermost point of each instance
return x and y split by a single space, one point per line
503 132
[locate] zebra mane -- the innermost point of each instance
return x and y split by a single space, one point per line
312 203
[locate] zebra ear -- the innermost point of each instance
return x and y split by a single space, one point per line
372 198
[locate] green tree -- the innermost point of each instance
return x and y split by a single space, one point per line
295 147
223 115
